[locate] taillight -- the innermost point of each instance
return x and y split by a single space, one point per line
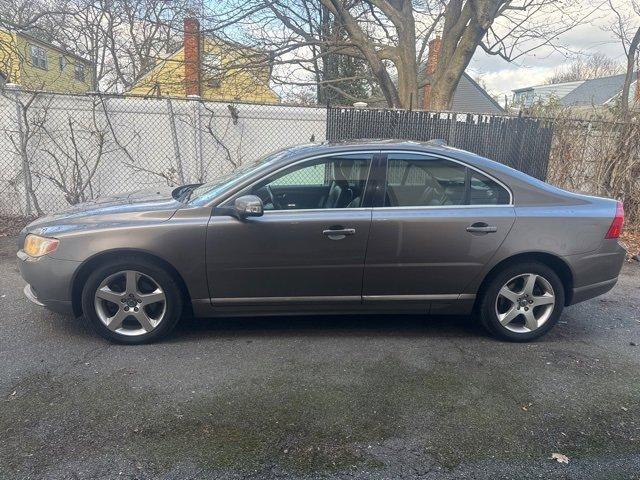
618 221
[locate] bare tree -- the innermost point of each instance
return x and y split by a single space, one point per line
627 28
593 66
392 36
76 148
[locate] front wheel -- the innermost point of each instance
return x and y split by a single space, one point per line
131 300
522 302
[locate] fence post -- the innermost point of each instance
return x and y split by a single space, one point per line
22 153
197 135
174 137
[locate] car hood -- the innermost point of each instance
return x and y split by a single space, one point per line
144 205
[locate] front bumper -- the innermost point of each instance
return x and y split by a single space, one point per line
49 281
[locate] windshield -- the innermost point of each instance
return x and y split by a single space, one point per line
203 194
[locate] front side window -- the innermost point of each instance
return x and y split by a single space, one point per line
419 181
39 57
332 182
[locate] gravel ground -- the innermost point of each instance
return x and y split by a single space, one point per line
360 397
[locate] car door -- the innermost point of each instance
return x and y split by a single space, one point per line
309 245
436 225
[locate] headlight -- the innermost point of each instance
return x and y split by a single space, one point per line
37 246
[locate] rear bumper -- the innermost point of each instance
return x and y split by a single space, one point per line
581 294
48 281
596 273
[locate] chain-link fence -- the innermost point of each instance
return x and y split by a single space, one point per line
58 150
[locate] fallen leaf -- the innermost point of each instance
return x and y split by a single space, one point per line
560 458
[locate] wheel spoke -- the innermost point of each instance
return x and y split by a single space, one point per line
529 284
509 316
153 297
546 299
144 320
509 294
131 278
105 293
530 320
115 322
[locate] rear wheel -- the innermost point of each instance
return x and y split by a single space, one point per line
131 300
522 302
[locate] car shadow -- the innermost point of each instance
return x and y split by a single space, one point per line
329 326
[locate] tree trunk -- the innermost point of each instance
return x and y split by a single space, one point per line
464 27
406 64
628 80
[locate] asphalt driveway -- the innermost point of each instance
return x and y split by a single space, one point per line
361 397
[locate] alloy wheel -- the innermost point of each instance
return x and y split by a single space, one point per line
525 303
130 303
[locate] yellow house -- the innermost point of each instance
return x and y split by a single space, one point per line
37 65
210 68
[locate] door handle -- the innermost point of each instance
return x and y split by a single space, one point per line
338 233
482 227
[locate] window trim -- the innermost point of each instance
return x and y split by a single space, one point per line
79 66
372 166
45 56
386 154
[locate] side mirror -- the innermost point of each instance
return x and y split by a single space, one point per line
248 206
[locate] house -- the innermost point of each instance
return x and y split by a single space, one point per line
210 68
469 96
37 65
582 93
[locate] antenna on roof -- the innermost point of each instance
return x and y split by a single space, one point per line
438 142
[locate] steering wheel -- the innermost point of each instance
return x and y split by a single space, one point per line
268 197
272 198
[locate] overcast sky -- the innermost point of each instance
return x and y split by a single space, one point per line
500 77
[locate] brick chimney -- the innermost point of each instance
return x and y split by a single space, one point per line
192 46
432 63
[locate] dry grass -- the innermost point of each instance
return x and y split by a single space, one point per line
10 225
631 237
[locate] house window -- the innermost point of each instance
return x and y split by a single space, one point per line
39 57
212 68
78 72
62 62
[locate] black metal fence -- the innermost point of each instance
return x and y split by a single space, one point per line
520 142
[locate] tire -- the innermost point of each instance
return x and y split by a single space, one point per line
132 300
510 307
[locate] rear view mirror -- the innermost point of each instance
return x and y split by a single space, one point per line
248 206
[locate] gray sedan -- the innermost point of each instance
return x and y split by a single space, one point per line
369 227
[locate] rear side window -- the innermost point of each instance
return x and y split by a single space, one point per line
413 180
419 181
485 191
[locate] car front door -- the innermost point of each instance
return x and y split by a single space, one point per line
309 245
437 224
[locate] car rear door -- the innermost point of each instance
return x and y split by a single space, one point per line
303 250
437 223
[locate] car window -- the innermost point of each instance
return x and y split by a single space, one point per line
415 180
485 191
332 182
